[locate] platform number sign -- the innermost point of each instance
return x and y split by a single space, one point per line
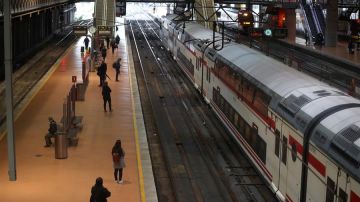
120 8
80 30
104 30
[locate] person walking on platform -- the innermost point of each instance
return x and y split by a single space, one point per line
101 72
86 42
107 39
117 39
118 155
52 132
106 95
117 66
103 52
113 46
98 192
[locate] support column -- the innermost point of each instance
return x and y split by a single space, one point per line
9 91
290 23
99 11
206 11
110 13
331 23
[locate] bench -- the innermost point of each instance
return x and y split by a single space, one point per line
71 136
77 122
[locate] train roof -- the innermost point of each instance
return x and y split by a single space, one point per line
339 136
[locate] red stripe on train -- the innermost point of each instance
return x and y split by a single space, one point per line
247 147
354 197
312 159
288 199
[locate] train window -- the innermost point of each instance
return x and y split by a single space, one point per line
253 137
277 142
215 96
261 149
231 114
284 150
247 132
293 151
235 121
342 196
241 125
222 101
330 190
226 109
208 74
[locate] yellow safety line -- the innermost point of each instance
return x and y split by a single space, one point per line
37 88
140 169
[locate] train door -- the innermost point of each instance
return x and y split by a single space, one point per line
175 44
337 184
280 158
283 157
207 80
197 72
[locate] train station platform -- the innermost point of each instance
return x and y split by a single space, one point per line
339 52
42 177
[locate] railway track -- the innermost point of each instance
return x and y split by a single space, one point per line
27 77
195 159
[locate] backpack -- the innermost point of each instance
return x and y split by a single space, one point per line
114 65
116 157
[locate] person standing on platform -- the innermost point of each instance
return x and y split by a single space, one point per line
117 66
107 39
118 155
86 42
106 95
351 46
306 38
117 39
98 192
52 132
101 72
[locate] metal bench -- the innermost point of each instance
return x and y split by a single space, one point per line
71 135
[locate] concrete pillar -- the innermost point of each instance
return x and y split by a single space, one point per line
99 12
290 23
331 23
206 9
110 13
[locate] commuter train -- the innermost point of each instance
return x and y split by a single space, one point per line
242 19
302 135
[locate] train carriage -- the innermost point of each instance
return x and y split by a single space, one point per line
302 135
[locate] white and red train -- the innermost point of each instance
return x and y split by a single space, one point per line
302 135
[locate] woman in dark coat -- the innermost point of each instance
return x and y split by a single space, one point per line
98 192
106 95
118 155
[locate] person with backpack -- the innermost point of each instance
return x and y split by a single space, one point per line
116 66
98 192
118 155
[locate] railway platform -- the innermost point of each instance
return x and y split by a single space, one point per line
42 177
340 52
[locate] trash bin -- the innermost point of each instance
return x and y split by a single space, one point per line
82 49
60 146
